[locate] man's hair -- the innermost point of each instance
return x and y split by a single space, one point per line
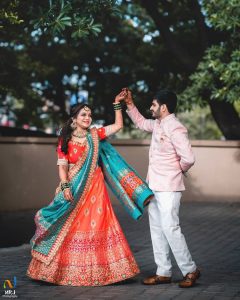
168 98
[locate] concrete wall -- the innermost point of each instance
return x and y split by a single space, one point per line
29 173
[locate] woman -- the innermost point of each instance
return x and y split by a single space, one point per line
78 240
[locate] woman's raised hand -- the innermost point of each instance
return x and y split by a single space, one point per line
121 96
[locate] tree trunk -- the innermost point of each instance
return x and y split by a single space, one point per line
226 118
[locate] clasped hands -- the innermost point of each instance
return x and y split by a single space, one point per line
125 95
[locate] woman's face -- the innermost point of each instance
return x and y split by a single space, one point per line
84 118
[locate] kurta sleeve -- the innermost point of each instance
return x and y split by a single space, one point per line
140 121
62 157
179 138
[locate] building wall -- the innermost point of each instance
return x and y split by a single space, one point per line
29 174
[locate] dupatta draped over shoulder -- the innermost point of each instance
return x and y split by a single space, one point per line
53 221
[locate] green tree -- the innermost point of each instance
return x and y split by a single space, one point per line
216 80
9 13
41 44
188 29
153 44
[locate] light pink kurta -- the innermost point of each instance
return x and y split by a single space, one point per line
170 152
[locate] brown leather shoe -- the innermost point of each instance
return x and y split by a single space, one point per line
190 279
156 279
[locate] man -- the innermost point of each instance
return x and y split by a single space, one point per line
170 156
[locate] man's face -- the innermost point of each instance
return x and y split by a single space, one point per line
155 109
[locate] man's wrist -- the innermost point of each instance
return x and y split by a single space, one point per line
130 106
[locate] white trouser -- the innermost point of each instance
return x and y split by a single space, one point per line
166 233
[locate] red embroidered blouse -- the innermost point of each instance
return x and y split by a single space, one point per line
75 149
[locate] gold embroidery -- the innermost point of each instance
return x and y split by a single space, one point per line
104 260
75 142
86 212
99 210
93 223
88 276
93 199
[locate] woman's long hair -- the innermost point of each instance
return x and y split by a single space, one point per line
66 131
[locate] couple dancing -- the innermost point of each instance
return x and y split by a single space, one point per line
78 240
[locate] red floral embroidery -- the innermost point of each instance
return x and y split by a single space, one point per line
130 182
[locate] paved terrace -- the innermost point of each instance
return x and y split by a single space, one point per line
212 232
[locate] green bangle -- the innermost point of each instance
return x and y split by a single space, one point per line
117 106
64 188
65 185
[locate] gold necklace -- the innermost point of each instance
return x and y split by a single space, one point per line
75 142
80 135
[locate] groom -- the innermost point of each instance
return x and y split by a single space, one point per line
170 156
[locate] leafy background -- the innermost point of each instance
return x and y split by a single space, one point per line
50 50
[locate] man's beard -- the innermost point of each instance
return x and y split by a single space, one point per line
156 115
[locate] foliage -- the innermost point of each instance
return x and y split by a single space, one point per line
217 76
223 15
9 13
58 47
200 124
41 47
77 15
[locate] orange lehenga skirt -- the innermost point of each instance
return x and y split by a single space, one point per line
95 251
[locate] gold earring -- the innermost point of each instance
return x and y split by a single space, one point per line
73 124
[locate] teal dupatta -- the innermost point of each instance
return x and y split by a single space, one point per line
129 188
54 220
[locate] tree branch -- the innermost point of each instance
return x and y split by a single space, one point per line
201 25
